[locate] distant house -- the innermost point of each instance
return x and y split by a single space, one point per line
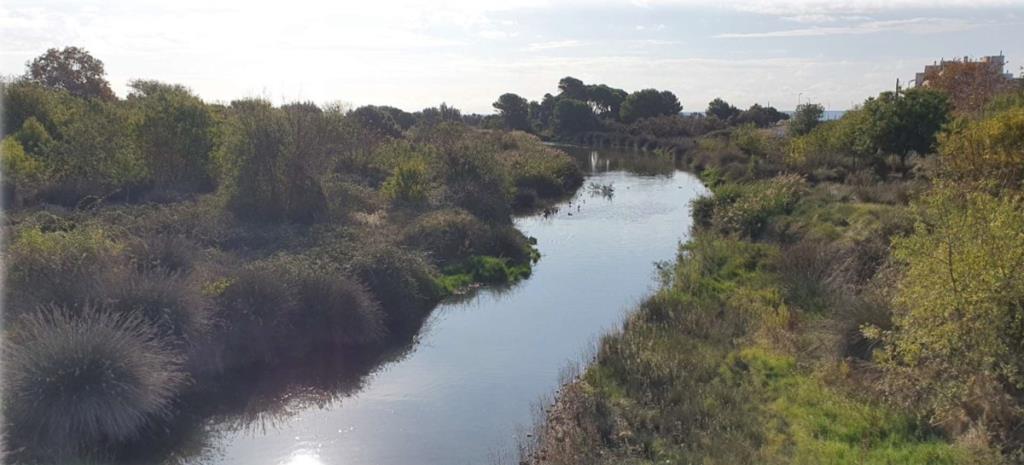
997 62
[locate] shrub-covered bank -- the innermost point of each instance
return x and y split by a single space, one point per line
847 297
159 247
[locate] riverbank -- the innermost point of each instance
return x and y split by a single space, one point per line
131 302
458 393
777 335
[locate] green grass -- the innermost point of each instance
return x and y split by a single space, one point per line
806 422
482 269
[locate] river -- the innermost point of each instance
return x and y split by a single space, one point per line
481 364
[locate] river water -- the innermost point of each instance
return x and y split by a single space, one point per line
476 372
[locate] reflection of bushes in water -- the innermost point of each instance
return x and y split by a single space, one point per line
656 163
257 399
76 380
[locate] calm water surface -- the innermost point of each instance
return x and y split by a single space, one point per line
480 365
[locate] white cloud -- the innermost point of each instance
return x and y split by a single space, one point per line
537 46
795 8
910 26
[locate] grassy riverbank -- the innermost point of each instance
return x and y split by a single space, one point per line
838 302
158 246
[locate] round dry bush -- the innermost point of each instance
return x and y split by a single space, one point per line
170 303
74 381
403 282
255 315
447 235
336 311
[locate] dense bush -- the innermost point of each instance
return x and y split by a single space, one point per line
989 149
175 132
402 281
255 313
746 209
269 159
961 290
74 380
63 267
336 311
408 184
169 303
447 235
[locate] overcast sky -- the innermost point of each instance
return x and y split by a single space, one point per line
413 54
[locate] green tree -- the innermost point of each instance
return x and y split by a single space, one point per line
906 122
72 69
514 111
648 103
806 118
722 110
573 117
606 101
572 88
175 132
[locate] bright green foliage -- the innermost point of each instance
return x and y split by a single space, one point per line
408 184
806 118
807 423
959 328
648 103
990 149
34 137
175 131
23 175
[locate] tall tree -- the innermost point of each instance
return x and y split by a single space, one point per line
648 103
573 88
514 111
573 116
606 100
722 110
72 69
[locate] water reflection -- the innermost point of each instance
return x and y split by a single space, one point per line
456 392
633 161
